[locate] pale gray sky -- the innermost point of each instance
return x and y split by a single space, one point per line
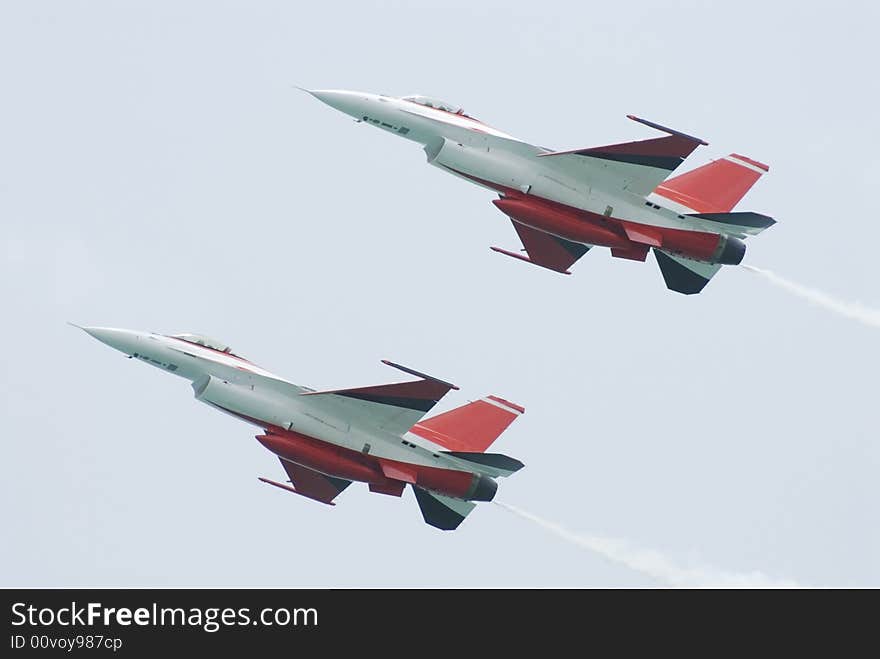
158 171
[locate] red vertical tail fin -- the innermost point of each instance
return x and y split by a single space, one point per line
715 187
472 427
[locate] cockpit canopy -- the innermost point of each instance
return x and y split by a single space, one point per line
427 101
201 340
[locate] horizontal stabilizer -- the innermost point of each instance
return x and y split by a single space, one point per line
472 427
745 222
442 512
493 464
684 275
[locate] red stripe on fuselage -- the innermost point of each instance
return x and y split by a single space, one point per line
324 457
340 462
696 244
583 226
448 481
352 465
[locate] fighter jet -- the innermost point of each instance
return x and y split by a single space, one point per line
327 439
562 203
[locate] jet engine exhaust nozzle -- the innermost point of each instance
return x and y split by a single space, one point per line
730 251
484 488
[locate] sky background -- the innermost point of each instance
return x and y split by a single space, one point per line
159 171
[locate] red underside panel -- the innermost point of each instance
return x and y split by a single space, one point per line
644 235
570 223
447 481
392 488
399 471
581 226
351 465
696 244
323 457
586 227
634 253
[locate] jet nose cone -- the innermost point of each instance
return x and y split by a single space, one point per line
328 96
120 339
351 103
332 97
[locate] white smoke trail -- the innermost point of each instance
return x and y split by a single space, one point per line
653 563
853 310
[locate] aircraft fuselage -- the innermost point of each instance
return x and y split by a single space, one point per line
587 211
297 428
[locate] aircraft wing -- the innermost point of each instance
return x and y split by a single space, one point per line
394 408
545 250
637 167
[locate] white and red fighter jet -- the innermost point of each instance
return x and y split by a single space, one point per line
327 439
562 203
